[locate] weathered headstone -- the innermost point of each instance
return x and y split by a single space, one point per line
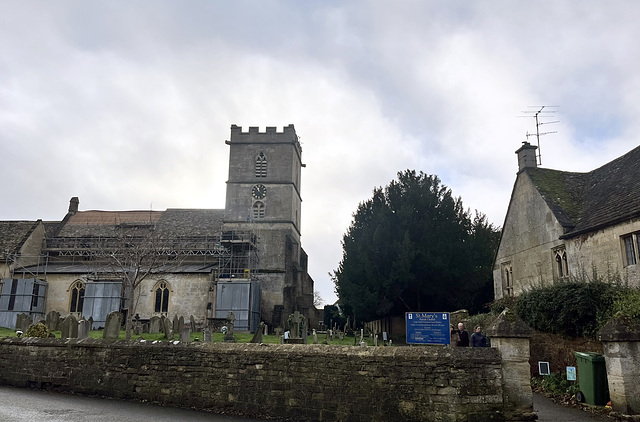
154 325
315 337
83 328
70 327
229 337
167 328
192 322
181 325
265 330
112 325
206 334
23 321
176 324
296 321
52 320
90 321
257 337
185 335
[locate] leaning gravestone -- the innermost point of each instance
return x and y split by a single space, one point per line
167 328
83 328
257 337
70 327
112 326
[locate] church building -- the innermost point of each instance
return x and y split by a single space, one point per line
246 258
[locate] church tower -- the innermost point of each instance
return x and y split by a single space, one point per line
263 196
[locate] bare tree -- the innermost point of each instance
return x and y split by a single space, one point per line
317 299
136 253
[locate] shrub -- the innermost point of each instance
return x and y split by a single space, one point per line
38 330
628 304
572 308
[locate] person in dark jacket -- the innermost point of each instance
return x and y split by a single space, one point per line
477 338
464 336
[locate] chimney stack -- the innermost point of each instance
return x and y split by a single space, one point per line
73 205
527 156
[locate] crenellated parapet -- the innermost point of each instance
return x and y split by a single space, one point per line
270 135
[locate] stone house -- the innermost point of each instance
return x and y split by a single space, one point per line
561 224
246 258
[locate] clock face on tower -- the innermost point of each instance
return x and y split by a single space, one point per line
259 191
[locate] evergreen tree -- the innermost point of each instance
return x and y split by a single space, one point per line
413 247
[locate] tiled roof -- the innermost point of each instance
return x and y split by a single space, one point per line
583 202
172 222
13 234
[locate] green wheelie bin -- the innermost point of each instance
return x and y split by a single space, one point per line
592 377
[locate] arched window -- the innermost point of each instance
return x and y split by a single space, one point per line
562 269
261 165
162 297
258 210
77 297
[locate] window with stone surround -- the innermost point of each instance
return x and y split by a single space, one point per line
261 165
161 297
77 297
561 269
258 210
630 248
507 279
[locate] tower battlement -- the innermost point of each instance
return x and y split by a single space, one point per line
270 135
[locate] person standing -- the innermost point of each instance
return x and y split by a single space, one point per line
478 339
464 336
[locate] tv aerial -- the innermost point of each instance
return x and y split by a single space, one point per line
541 113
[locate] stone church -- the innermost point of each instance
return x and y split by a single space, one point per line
246 258
562 224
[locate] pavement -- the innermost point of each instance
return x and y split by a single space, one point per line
549 411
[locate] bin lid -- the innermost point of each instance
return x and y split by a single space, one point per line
590 356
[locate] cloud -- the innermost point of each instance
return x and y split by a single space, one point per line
127 105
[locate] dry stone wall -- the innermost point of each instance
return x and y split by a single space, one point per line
297 382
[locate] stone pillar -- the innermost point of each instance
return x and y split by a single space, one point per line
620 339
511 335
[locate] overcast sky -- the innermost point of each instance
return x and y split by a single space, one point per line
127 104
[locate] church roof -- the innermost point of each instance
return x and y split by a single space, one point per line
13 234
583 202
172 222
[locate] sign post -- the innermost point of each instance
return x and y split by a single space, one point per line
428 328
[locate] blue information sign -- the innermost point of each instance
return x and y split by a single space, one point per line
428 327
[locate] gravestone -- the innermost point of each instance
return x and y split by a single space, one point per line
23 321
137 328
167 328
176 324
257 337
52 320
315 337
181 325
90 321
112 325
145 327
265 331
206 334
185 335
192 322
228 336
70 327
154 325
83 328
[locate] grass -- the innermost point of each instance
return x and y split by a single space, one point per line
216 337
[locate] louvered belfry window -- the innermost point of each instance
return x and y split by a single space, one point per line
261 165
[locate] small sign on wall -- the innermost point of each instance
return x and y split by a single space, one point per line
571 373
543 368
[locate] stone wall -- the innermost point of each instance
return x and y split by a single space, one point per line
306 383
